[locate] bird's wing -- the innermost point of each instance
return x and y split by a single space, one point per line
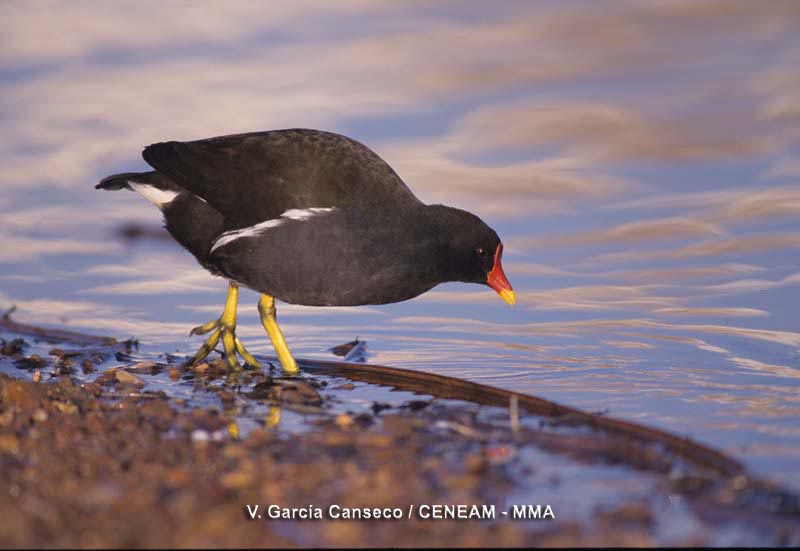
250 178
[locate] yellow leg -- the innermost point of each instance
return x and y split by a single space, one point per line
225 328
266 307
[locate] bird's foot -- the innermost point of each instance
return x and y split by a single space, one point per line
231 345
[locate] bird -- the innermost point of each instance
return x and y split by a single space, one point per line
309 217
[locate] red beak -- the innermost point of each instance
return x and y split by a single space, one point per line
497 279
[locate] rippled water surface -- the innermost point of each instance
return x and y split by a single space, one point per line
639 161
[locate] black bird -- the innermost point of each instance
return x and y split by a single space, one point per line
308 217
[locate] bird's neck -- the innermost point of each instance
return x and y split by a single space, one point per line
441 222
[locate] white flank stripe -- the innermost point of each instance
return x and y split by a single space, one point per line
159 197
228 236
302 214
291 214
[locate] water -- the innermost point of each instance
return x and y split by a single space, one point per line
640 163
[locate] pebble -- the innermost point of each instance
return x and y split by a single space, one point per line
87 366
344 421
9 348
143 367
128 378
200 368
40 415
66 407
202 435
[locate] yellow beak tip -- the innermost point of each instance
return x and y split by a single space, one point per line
509 297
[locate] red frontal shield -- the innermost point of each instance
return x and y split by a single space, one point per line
497 279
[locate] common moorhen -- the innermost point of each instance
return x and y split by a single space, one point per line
308 217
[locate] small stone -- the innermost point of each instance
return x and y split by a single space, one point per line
64 366
40 415
200 368
143 367
364 420
295 392
740 482
174 373
344 421
346 386
93 389
66 407
107 377
37 376
378 407
87 366
12 347
34 361
128 378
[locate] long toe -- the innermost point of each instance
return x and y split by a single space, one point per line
247 356
206 349
205 328
225 330
229 347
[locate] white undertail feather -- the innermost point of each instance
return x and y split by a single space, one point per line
159 197
291 214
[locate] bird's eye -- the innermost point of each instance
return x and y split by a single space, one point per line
480 251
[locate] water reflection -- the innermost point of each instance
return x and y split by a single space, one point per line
640 161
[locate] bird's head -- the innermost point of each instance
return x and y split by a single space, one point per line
474 252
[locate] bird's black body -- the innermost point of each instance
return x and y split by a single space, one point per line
309 217
249 178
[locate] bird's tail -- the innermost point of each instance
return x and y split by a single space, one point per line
119 181
153 186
